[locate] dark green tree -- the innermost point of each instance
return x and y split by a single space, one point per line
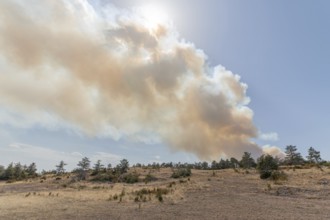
266 164
292 156
60 167
84 166
9 172
2 172
214 165
224 164
32 170
98 167
19 171
234 162
109 167
205 165
247 161
123 166
313 156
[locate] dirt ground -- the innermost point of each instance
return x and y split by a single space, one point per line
224 194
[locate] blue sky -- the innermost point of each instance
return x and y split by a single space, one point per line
280 49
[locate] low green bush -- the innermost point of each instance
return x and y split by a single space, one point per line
181 172
104 177
130 178
265 174
149 178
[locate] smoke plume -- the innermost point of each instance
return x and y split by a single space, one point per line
109 73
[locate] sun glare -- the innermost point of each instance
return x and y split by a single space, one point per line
154 16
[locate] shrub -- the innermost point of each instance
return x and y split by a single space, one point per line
103 177
122 192
141 195
171 184
130 178
276 176
265 174
160 198
181 172
143 191
160 192
149 178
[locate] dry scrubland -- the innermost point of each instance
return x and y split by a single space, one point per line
207 194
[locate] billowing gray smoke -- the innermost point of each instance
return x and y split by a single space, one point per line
112 74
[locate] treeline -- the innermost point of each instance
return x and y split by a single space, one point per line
292 157
265 164
18 171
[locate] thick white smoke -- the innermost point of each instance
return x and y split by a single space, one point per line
113 74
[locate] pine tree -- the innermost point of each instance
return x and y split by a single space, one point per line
19 171
60 167
2 172
214 165
9 172
292 156
234 162
313 156
84 166
97 167
32 170
266 164
247 161
123 166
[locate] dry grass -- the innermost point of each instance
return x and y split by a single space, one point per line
222 194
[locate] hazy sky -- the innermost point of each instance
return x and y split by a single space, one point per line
280 50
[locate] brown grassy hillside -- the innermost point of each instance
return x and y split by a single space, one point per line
222 194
